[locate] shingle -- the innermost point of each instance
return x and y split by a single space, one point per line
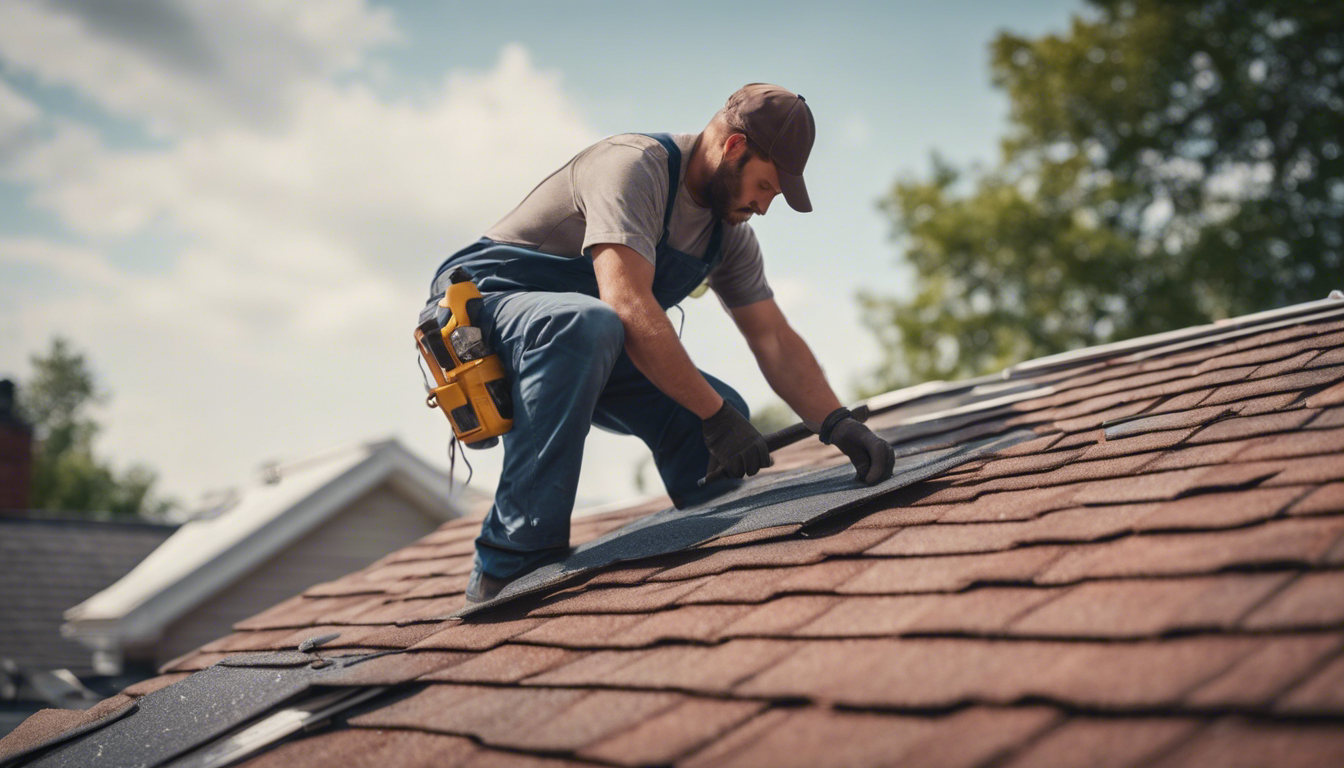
1098 742
1323 692
1030 447
517 718
146 687
1237 743
1242 427
788 552
584 630
689 623
437 586
505 664
1164 485
395 668
1304 443
1299 542
302 611
756 585
1312 600
1012 505
713 670
480 635
663 738
1086 415
369 748
1069 525
1122 467
814 736
895 517
1298 471
1287 365
1019 465
639 598
780 617
1327 499
979 611
1217 510
1149 607
47 726
913 672
1144 442
907 575
1292 382
1332 395
1254 681
1183 419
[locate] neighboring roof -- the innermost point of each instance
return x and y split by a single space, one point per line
1155 578
207 554
50 565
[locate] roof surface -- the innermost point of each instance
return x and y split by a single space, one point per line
1155 578
50 565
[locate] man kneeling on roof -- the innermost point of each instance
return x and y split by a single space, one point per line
576 283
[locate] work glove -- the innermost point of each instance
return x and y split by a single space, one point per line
871 456
735 446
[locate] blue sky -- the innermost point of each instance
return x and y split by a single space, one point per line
233 208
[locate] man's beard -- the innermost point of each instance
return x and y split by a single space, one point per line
724 184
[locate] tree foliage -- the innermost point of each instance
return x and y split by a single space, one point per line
1168 163
67 476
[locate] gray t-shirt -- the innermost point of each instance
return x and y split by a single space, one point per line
616 192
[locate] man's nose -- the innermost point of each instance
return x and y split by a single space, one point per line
760 206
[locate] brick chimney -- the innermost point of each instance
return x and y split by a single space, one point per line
16 453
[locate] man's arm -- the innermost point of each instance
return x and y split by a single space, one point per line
788 364
795 375
625 282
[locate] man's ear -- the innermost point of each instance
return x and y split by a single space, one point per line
734 145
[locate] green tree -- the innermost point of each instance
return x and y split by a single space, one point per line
1168 163
67 476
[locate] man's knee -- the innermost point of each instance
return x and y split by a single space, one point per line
586 326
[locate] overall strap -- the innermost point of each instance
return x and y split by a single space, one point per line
673 176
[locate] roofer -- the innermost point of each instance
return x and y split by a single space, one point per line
576 283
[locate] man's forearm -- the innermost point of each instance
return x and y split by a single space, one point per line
795 375
656 351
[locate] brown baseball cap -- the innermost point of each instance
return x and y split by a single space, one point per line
780 121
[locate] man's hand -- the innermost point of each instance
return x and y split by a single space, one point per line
734 444
871 456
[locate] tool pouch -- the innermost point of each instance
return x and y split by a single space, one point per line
470 385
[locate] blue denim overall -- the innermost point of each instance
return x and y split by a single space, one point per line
563 349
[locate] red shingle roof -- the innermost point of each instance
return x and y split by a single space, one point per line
1158 578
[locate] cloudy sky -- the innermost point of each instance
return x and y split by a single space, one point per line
233 208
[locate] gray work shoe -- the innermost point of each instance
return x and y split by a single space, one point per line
482 587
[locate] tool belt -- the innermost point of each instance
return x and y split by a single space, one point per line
470 385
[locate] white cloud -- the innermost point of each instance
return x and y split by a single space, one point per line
283 326
192 65
18 116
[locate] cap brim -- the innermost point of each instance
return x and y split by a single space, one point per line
795 192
